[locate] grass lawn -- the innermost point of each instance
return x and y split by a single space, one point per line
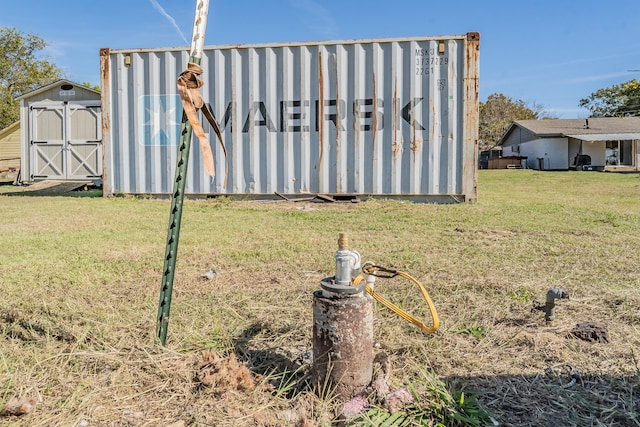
80 280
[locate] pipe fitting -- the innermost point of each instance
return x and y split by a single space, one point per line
347 268
347 262
550 305
369 279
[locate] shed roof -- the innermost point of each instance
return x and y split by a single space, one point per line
600 128
11 128
52 85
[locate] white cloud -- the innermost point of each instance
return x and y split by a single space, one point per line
169 18
598 77
568 113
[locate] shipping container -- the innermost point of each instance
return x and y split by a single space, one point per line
384 117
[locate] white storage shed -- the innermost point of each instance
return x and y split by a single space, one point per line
61 133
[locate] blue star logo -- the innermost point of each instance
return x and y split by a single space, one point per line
159 120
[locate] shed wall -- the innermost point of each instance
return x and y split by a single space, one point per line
10 146
371 117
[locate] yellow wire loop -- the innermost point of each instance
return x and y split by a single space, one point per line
372 269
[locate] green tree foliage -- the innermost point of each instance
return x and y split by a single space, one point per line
498 113
621 100
91 86
21 70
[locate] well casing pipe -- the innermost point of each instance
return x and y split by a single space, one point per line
342 333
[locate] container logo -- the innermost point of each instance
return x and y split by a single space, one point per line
303 115
159 120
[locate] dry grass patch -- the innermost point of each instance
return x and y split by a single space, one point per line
81 276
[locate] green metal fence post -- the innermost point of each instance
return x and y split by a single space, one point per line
177 196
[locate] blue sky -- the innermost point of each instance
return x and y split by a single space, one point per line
552 53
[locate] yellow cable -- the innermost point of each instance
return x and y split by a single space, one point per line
369 269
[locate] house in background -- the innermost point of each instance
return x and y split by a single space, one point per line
10 147
607 143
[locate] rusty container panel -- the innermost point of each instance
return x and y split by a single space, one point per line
385 117
342 344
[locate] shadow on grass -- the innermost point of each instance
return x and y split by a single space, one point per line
21 192
556 397
559 396
284 369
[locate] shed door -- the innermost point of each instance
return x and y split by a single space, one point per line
47 135
66 141
84 143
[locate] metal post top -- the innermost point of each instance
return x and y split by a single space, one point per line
199 28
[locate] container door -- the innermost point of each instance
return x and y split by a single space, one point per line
83 151
47 141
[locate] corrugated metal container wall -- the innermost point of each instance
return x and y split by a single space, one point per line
392 117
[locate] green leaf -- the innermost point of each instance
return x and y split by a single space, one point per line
394 419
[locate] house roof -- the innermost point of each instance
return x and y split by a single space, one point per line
592 129
52 85
606 136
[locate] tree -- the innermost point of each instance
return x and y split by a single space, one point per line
91 86
621 100
21 70
498 113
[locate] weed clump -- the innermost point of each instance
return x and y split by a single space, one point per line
222 374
